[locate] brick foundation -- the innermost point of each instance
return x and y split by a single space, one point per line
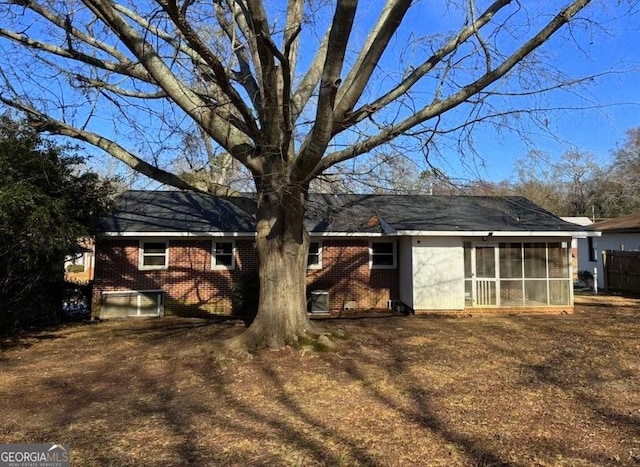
552 310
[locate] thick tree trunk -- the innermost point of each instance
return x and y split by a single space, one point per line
282 245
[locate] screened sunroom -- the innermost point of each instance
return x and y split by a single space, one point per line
515 274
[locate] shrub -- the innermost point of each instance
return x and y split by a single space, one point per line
245 295
47 203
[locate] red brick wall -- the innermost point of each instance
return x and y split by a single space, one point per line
191 286
347 276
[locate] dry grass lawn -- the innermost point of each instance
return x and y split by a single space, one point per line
505 390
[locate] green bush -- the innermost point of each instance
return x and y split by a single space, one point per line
32 307
47 203
245 296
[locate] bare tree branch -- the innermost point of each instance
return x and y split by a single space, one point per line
65 23
423 69
222 80
221 130
127 68
316 142
440 107
43 122
311 79
244 76
269 89
291 40
91 83
373 48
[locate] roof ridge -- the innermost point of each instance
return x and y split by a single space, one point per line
368 195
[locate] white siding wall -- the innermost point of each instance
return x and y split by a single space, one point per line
438 273
583 254
405 263
609 241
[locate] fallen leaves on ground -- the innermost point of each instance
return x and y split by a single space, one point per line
475 390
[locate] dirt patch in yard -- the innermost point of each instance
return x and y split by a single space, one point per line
490 390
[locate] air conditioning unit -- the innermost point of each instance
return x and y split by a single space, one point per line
319 301
397 306
349 305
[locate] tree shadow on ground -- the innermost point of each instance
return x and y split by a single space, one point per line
152 393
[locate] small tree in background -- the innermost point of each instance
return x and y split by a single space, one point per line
578 183
46 205
624 175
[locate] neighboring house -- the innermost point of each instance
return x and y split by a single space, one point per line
579 246
620 233
79 266
182 252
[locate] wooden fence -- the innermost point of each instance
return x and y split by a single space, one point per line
621 271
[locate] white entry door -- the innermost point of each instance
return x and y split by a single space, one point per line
484 275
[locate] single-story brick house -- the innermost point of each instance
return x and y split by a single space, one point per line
181 252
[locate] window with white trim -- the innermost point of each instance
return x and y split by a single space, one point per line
154 255
382 255
223 255
314 258
591 246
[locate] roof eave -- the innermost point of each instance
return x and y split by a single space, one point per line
496 233
630 230
176 234
398 233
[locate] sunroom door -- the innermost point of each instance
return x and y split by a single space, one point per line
481 275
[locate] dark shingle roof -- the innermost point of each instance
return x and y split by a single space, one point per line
175 211
433 213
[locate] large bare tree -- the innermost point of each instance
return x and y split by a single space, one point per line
288 89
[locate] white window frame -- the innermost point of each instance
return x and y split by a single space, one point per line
214 263
319 265
383 266
142 255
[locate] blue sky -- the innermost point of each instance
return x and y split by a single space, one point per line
593 118
612 46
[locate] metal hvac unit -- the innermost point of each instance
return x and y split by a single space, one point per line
319 301
397 306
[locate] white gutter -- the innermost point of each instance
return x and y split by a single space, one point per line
178 234
493 233
231 234
349 234
399 233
